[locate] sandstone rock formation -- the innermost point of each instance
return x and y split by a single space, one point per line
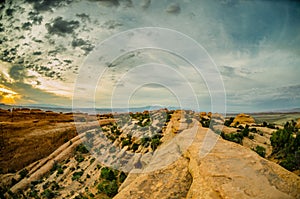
229 170
243 119
298 124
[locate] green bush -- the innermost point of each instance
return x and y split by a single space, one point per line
33 194
251 136
145 141
107 174
109 188
122 177
228 122
60 171
260 151
23 173
286 146
92 160
79 158
205 122
126 142
289 163
233 137
48 194
135 146
54 186
77 175
155 142
82 149
245 131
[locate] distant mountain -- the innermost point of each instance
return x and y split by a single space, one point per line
57 108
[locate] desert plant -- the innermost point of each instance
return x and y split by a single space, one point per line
108 174
109 188
245 131
233 137
77 175
60 171
82 149
229 121
135 146
48 194
155 142
260 151
79 158
23 173
122 177
251 136
125 142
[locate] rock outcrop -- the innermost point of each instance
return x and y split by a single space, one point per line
229 170
243 119
298 124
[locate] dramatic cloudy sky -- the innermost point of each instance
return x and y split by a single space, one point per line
46 46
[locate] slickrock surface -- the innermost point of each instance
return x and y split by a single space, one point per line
229 170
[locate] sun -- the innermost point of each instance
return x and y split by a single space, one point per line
8 99
8 96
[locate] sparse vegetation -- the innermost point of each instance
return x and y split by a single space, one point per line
155 142
107 174
79 158
77 175
110 188
245 131
82 149
286 146
122 177
229 121
48 194
205 122
260 151
23 173
233 137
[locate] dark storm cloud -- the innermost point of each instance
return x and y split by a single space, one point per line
173 8
146 4
86 46
126 3
84 17
46 5
248 23
107 3
61 27
111 24
10 11
17 72
78 42
35 17
8 54
26 26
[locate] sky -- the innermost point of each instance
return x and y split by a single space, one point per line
220 55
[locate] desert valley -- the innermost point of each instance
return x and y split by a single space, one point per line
150 154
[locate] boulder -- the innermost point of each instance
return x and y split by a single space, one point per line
243 119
